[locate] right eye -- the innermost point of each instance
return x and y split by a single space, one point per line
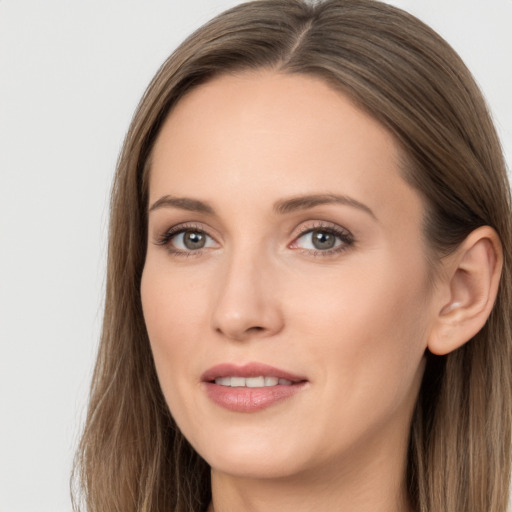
187 240
191 240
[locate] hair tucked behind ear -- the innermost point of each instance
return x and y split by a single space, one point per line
132 457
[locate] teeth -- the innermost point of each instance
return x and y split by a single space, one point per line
237 382
252 382
255 382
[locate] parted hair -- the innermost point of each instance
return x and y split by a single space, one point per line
132 457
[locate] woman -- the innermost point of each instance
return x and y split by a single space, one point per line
308 288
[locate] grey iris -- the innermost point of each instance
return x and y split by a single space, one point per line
194 240
323 240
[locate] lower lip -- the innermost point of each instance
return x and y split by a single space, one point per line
245 399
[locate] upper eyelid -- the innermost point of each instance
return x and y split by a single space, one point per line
327 225
187 226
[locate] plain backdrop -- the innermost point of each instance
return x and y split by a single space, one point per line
71 74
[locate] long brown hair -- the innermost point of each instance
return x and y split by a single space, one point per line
132 457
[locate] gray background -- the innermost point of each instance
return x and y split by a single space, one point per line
71 74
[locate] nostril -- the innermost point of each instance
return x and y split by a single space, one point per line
255 329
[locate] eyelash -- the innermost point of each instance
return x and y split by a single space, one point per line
166 238
346 238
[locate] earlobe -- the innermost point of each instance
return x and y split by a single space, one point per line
470 280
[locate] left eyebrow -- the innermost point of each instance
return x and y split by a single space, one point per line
310 201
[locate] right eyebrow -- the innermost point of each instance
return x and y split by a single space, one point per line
182 203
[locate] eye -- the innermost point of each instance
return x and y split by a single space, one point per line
191 240
185 240
326 240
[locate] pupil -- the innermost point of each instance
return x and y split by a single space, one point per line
323 240
194 240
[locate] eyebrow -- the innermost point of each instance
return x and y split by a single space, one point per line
182 203
281 207
310 201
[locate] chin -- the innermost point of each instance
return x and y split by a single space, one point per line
251 456
253 466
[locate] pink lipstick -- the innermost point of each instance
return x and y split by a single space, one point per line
251 387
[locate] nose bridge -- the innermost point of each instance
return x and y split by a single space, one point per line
246 303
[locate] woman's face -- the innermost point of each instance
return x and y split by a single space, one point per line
285 291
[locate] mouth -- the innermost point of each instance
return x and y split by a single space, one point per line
251 375
252 382
251 387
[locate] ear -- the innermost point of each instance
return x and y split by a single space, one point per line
467 290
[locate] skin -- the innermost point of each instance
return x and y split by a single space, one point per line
355 322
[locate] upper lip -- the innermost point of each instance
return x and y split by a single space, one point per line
248 370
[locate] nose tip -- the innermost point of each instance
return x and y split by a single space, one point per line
247 305
240 321
238 327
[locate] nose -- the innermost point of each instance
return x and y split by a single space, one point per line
247 300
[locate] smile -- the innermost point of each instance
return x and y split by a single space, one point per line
251 387
252 382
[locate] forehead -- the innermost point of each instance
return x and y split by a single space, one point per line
290 106
258 135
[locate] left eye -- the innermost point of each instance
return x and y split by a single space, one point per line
191 240
321 240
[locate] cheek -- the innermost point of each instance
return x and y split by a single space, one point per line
368 327
173 308
171 300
